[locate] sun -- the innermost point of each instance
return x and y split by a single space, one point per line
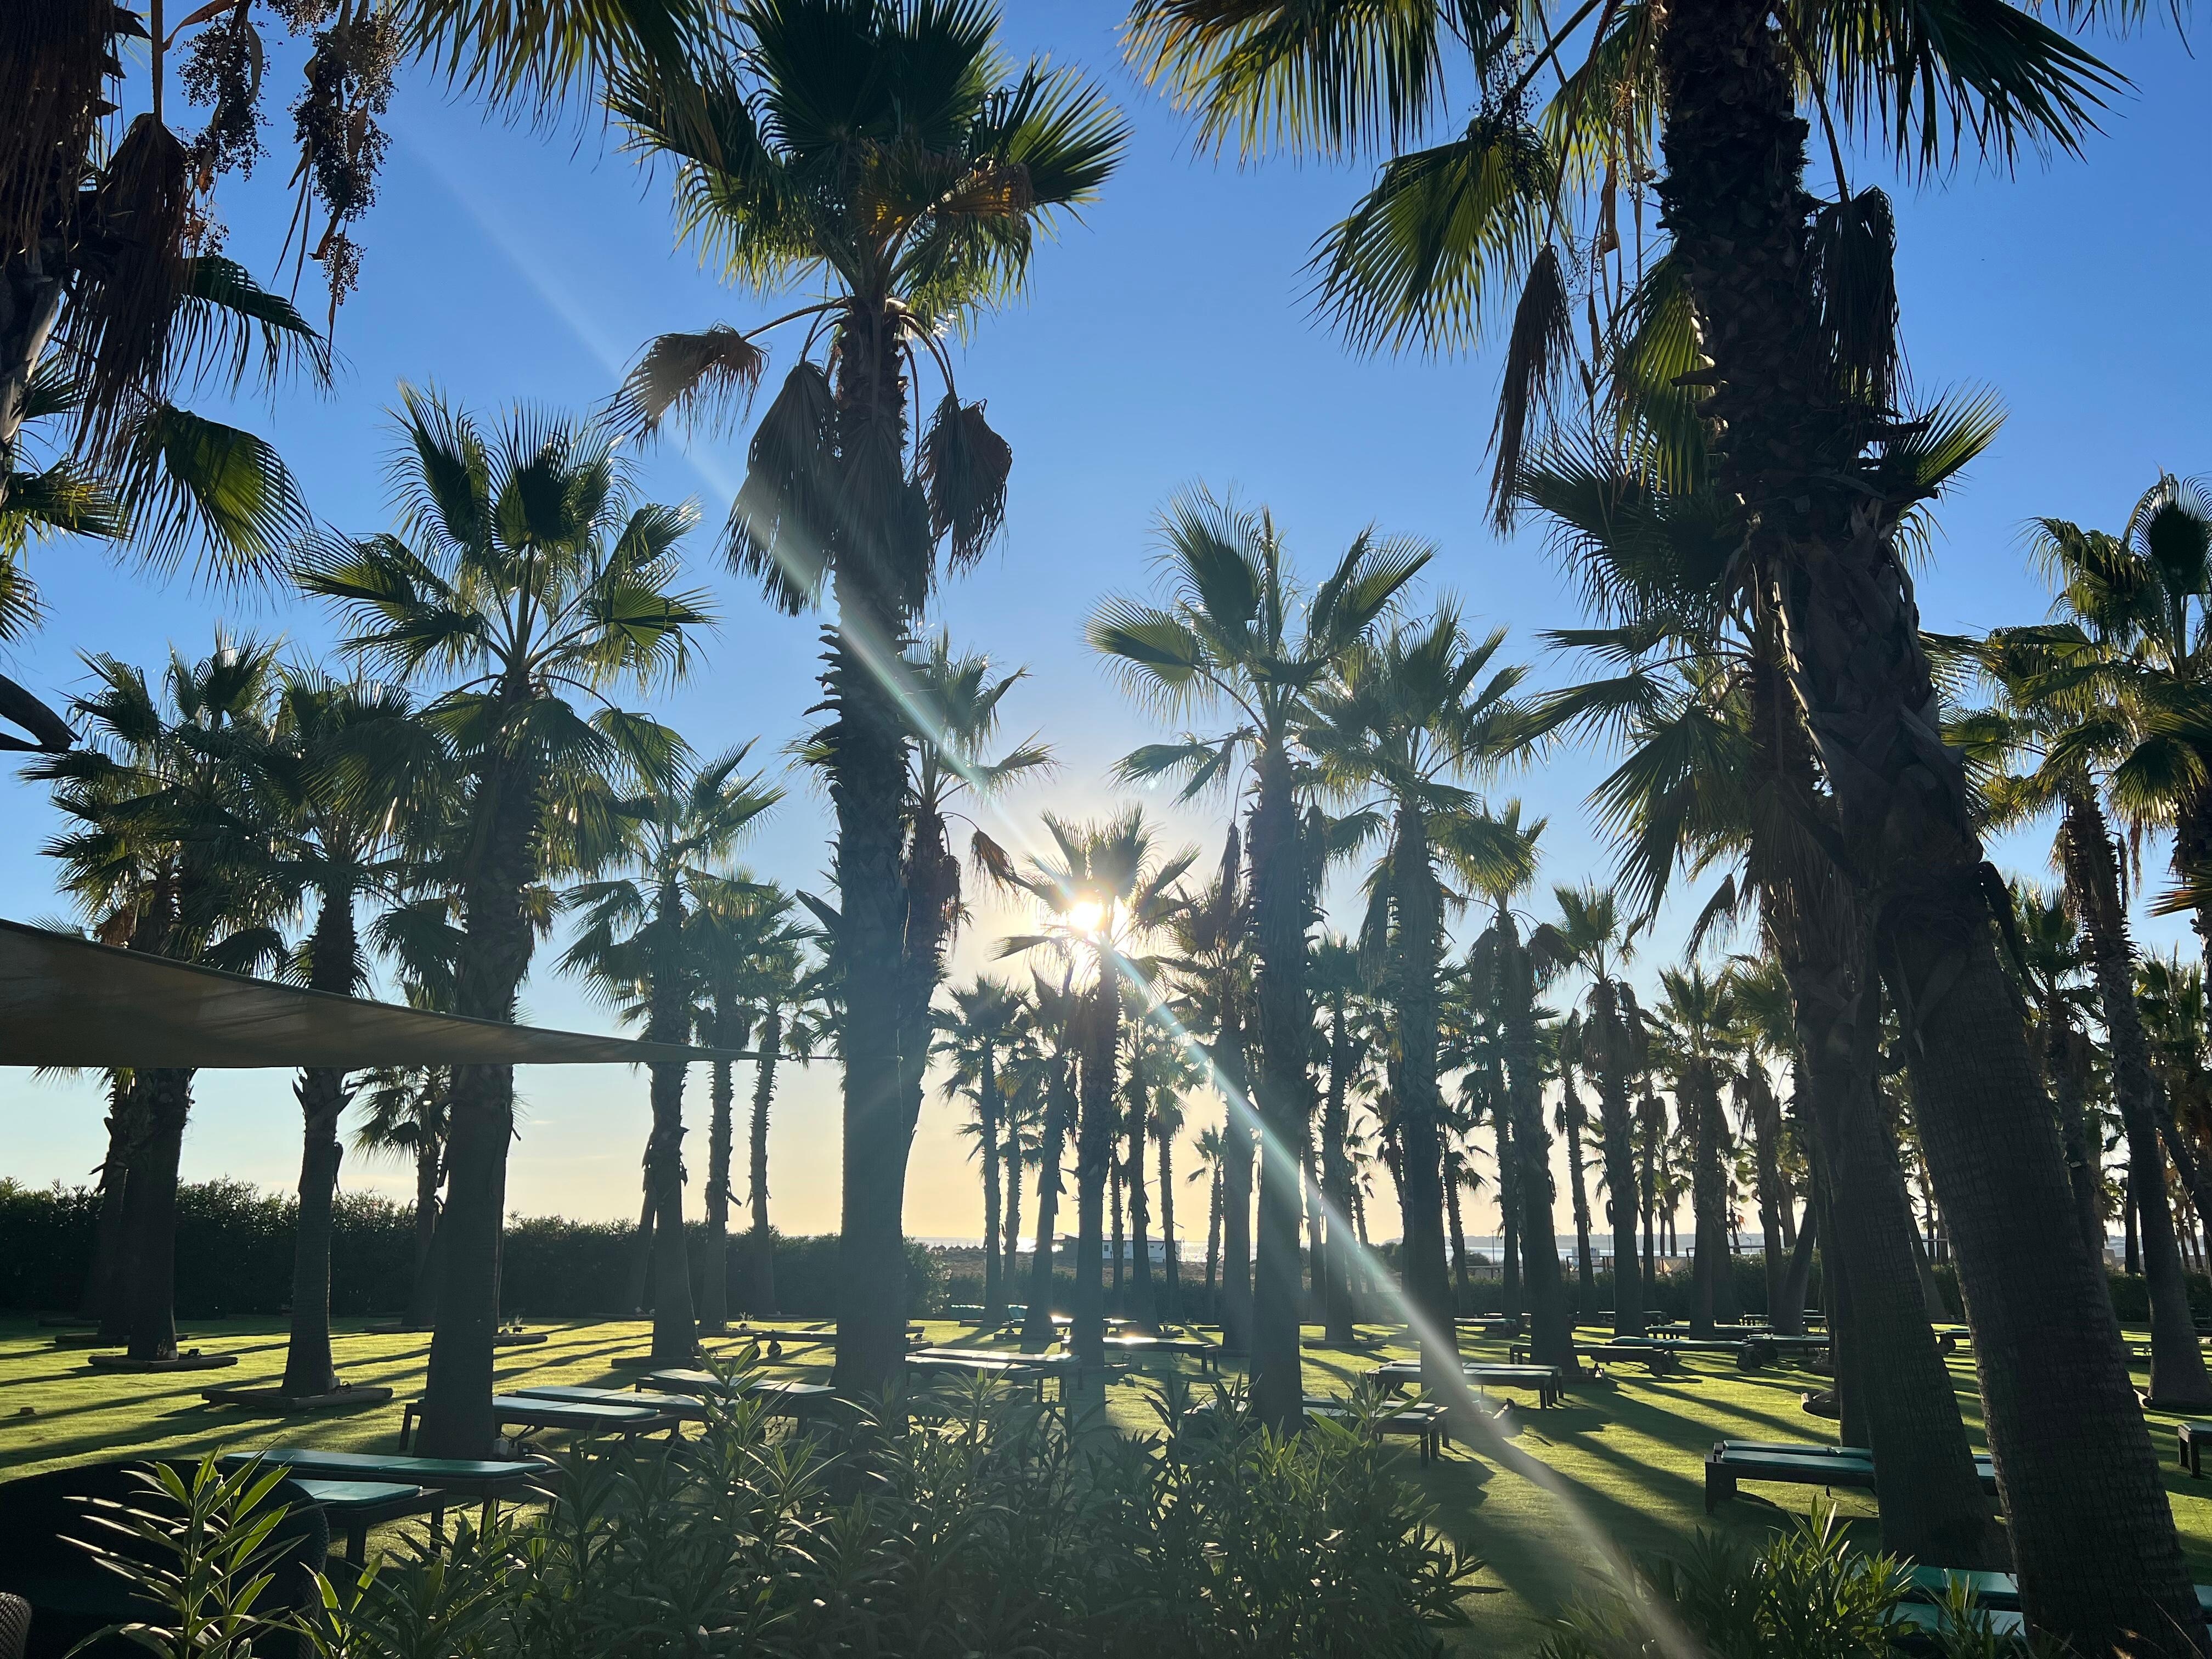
1086 915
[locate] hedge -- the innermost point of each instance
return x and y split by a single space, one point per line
234 1256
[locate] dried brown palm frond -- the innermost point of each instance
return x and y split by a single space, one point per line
1534 356
54 57
964 467
120 326
705 376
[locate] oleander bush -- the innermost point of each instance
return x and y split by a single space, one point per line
961 1524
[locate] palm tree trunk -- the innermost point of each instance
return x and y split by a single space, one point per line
987 1113
1337 1306
638 1280
1455 1221
1116 1243
1421 1108
1140 1305
868 786
1617 1120
1236 1309
2066 1065
1764 1113
2092 1531
722 1135
1790 1320
1094 1156
151 1290
1551 1325
495 949
429 1175
323 1098
1037 1327
2177 1377
760 1243
1509 1204
1012 1223
1171 1248
1708 1199
1214 1235
1571 1119
1282 913
102 1294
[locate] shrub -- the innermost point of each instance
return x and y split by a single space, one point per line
965 1523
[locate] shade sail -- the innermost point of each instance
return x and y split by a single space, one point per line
66 1001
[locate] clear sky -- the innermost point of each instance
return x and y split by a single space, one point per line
1165 340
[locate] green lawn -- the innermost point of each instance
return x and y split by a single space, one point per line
1615 1468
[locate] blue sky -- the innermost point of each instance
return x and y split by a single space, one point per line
1165 341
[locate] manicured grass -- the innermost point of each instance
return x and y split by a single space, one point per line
1616 1468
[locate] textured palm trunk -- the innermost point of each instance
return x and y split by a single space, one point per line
496 947
987 1113
102 1297
1338 1312
1798 1277
1421 1108
1037 1326
323 1099
1617 1120
150 1293
675 1326
1282 913
637 1279
1765 1113
1140 1303
1551 1323
1235 1311
722 1149
759 1238
1214 1235
1571 1119
2178 1378
1094 1155
867 789
2098 1561
430 1176
1116 1243
1708 1196
1012 1223
31 289
2066 1062
1170 1246
1508 1205
1455 1225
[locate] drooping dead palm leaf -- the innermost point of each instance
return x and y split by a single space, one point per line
706 377
965 468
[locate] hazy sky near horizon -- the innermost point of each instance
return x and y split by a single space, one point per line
1166 340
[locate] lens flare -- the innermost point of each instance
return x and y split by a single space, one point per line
1086 915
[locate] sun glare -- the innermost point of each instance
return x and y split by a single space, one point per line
1086 915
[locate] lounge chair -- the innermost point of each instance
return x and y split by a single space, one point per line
683 1408
797 1400
1208 1354
1549 1384
357 1505
2192 1439
1001 1367
73 1598
1426 1424
1733 1462
1659 1358
534 1416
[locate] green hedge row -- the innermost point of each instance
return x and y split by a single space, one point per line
234 1256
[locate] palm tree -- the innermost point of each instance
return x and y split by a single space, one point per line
1235 633
1406 715
1059 1020
1160 1068
637 949
402 1116
1695 1015
785 999
1766 1032
2052 967
1106 893
348 769
1211 969
1207 1159
1793 377
164 851
1336 978
1569 1056
983 1030
523 577
784 152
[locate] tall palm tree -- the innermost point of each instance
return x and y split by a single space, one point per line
348 770
1337 980
1236 634
1792 377
1108 890
1059 1020
2053 966
1210 962
1160 1069
1574 1121
636 947
986 1024
1766 1032
523 577
1409 718
886 152
163 847
1206 1158
1695 1013
402 1116
784 995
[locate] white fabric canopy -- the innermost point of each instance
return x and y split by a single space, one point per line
67 1001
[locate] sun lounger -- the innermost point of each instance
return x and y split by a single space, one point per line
797 1400
1549 1385
1658 1357
1424 1422
1732 1462
535 1416
1208 1354
357 1505
2192 1438
1493 1324
1995 1590
683 1408
489 1481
